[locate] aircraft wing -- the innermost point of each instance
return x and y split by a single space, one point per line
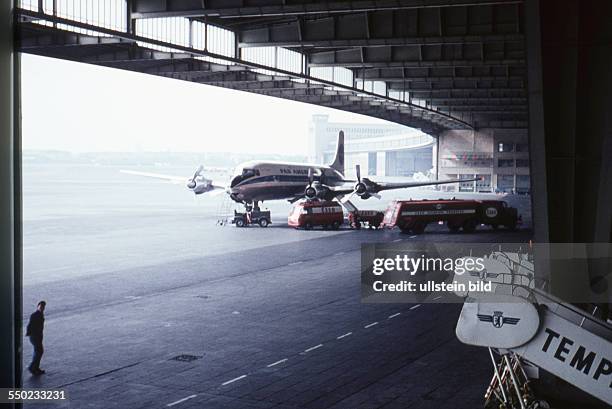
380 186
173 179
375 187
198 184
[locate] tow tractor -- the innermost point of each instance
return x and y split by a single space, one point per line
252 216
362 218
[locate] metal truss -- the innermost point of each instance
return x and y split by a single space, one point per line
130 52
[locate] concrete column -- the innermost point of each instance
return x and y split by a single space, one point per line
569 56
10 212
381 163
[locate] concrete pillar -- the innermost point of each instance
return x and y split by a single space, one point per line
569 54
10 208
570 128
381 163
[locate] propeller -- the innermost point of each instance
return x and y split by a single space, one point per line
192 183
310 191
361 188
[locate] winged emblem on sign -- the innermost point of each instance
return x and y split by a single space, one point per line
497 319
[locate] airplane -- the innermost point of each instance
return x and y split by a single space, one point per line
257 181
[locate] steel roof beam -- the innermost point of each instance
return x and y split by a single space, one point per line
418 64
179 8
385 42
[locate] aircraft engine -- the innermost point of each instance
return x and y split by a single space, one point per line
315 190
310 192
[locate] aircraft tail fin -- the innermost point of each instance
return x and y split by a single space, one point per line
338 162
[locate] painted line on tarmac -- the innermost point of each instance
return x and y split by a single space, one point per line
233 380
398 240
295 263
181 400
339 253
313 348
413 237
277 363
437 298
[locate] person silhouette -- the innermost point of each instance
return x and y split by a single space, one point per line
34 331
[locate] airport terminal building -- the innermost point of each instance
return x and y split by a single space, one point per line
379 149
500 157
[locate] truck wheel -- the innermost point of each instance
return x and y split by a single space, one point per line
495 226
240 223
308 226
511 226
263 222
469 226
335 226
357 225
405 230
419 228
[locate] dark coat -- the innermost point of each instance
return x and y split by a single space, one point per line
36 325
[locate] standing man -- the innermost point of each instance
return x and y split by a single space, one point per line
35 332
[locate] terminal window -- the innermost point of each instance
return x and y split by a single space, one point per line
505 147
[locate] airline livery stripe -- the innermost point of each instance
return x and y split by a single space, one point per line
438 212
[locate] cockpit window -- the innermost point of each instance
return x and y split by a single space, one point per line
249 173
246 174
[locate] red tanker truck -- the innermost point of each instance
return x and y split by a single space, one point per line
311 213
414 215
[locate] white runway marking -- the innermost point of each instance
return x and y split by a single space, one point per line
413 237
438 297
276 363
313 348
371 325
295 263
344 335
181 400
339 253
414 307
394 315
395 241
233 380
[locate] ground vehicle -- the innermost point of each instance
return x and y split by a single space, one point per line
359 218
311 213
259 217
414 215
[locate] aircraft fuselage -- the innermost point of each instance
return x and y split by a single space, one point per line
259 181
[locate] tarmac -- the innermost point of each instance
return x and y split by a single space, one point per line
159 307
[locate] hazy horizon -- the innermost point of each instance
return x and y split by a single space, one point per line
79 108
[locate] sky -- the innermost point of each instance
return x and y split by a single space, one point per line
79 107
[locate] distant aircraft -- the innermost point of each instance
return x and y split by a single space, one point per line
257 181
